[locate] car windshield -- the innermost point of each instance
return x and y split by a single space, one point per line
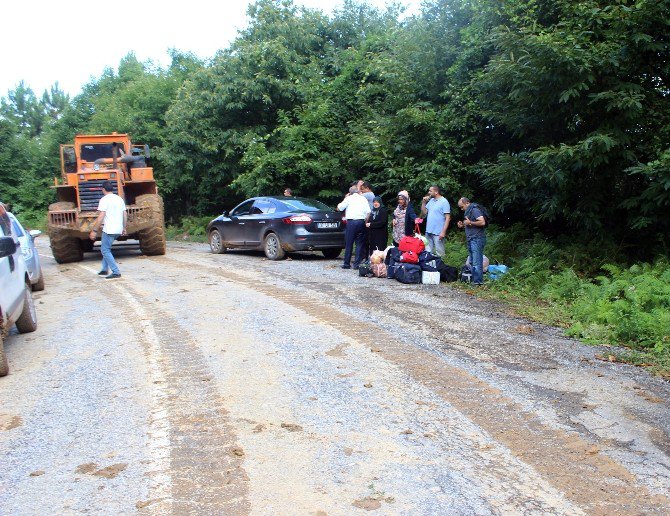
304 205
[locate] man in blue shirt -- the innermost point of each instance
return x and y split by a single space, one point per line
439 214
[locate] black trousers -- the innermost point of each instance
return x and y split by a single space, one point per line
354 233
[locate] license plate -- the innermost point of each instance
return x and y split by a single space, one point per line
326 225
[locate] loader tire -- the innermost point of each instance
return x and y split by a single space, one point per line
65 249
152 239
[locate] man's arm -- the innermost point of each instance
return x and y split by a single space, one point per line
424 210
125 222
98 222
343 205
478 222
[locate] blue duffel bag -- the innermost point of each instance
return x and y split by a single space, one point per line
408 273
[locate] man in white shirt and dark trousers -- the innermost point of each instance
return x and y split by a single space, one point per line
356 209
113 219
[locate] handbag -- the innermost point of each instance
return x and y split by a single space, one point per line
379 270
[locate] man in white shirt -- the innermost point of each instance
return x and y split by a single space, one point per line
356 209
113 218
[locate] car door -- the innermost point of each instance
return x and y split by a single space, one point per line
11 272
234 230
257 220
28 249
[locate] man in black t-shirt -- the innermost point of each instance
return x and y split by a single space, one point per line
475 235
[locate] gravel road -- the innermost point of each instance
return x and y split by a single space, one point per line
230 384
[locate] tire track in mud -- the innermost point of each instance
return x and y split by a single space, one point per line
577 468
198 467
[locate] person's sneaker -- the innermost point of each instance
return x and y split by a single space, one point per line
113 276
103 273
346 266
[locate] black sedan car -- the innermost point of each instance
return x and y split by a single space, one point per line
278 225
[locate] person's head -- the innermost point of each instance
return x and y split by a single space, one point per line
353 190
463 203
288 192
402 200
364 187
434 191
359 183
377 202
107 187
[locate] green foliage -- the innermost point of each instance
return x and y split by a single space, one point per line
191 229
573 285
627 305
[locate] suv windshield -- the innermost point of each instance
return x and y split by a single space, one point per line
5 223
92 151
298 204
17 229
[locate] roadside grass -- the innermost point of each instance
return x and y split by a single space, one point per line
189 229
582 290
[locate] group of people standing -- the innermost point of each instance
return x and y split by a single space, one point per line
367 224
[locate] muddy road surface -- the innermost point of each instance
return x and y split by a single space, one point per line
230 384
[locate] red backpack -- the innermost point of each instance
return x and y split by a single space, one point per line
408 243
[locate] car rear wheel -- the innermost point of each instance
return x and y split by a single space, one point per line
27 321
216 242
4 365
331 254
272 247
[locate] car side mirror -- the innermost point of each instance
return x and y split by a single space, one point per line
225 213
7 246
35 233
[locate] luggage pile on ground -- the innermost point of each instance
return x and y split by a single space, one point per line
409 263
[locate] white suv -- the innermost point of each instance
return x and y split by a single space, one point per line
16 300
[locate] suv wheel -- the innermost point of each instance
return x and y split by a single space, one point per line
4 365
272 247
27 321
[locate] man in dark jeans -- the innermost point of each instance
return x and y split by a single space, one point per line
475 235
356 209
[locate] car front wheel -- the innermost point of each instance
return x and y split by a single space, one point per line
216 242
4 365
272 247
27 321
